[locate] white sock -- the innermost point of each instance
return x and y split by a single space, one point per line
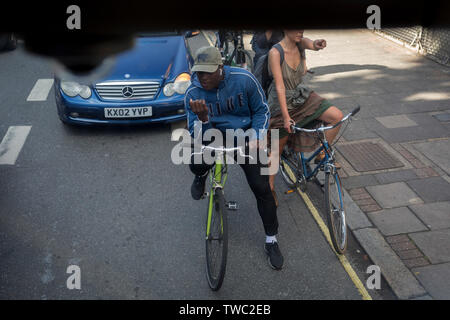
270 239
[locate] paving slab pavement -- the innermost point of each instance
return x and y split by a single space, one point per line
435 215
433 189
396 221
436 151
435 279
402 215
434 244
394 195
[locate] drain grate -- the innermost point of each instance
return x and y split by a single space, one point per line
368 156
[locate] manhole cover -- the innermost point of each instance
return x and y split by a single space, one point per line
368 156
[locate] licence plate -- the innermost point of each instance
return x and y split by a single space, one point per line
135 112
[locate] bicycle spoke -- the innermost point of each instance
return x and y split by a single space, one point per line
336 213
216 242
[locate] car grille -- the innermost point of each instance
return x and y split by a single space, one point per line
127 90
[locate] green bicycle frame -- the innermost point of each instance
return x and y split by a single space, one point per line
217 181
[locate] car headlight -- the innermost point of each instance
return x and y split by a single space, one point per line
180 85
182 82
73 89
169 89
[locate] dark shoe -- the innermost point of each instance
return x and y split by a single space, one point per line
198 187
274 194
275 257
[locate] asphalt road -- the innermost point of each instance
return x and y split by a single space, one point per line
111 201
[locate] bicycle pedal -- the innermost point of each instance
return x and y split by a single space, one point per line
232 205
205 195
289 191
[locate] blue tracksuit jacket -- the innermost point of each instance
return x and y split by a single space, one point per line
239 102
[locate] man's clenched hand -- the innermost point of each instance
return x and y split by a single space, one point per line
200 109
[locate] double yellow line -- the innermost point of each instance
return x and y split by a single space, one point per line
323 227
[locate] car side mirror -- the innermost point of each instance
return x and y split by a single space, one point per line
191 33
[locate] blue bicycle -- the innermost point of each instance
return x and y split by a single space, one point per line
299 165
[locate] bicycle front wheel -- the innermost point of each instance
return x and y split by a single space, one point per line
216 240
334 206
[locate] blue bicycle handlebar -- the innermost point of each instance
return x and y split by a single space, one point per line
355 111
351 114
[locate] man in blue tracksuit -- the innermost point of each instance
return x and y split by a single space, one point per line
224 97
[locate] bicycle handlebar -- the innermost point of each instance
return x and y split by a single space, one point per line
322 129
355 111
221 150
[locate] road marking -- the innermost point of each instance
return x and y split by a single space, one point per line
323 227
12 143
207 39
40 90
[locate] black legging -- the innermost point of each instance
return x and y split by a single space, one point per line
260 186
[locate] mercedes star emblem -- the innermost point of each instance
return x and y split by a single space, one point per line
127 92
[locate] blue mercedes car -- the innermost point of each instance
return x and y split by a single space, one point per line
146 85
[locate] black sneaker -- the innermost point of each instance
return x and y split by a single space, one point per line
275 257
198 187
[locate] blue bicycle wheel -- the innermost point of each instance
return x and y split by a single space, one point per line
335 212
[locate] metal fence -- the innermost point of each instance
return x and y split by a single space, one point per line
431 42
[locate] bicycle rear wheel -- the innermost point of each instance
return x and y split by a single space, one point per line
216 240
286 164
292 160
334 206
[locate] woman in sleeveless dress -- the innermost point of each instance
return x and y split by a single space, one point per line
290 101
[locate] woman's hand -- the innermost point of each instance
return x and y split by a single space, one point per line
288 122
319 44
